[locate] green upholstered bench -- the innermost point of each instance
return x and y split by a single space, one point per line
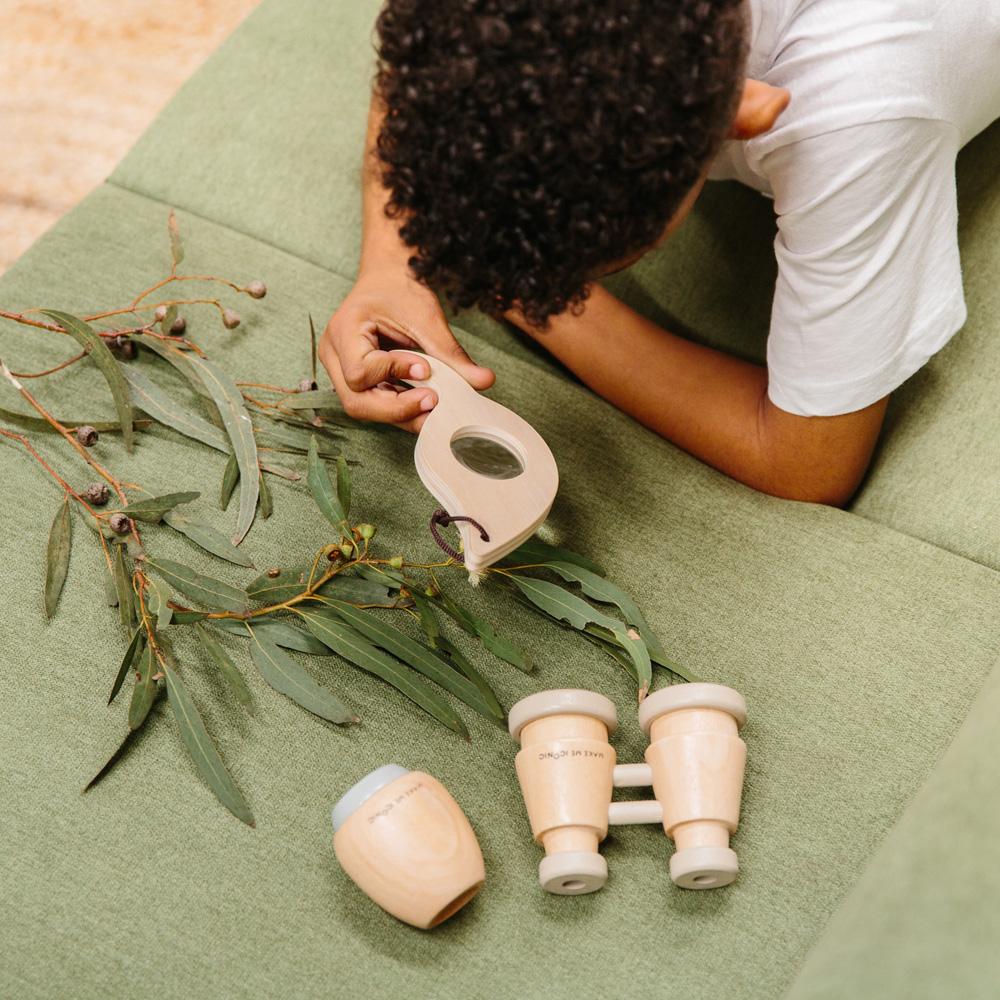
864 641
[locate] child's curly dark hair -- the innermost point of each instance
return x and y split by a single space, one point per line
527 144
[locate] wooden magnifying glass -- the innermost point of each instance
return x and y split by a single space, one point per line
480 460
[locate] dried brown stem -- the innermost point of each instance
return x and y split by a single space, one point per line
51 371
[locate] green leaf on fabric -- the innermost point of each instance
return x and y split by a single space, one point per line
203 751
227 668
116 755
497 644
284 634
151 399
207 538
266 502
179 359
600 589
346 642
230 477
176 246
355 589
344 485
123 585
534 550
100 354
389 578
564 605
286 584
152 509
135 648
229 401
418 656
293 681
144 691
200 588
110 585
188 617
461 662
25 421
313 345
57 556
157 596
295 442
321 488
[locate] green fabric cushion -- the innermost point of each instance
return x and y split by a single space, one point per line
923 922
836 629
267 137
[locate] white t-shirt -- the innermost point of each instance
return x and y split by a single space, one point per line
861 167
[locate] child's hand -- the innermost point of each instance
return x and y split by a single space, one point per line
391 309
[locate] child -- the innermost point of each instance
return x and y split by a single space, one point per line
518 151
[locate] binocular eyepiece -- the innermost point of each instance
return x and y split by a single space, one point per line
694 762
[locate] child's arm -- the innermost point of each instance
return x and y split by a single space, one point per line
711 404
387 303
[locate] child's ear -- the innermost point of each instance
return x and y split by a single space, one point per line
760 106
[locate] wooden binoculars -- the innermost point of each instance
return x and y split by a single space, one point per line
694 762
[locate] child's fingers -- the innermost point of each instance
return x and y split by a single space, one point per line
439 342
364 367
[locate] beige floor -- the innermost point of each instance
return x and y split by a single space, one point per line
79 81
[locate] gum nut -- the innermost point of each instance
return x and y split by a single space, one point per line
178 326
160 314
128 350
366 531
307 385
230 319
96 494
347 550
121 524
256 289
396 562
87 435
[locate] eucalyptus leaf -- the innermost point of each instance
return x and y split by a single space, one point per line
144 692
123 584
535 551
176 246
157 596
600 589
180 359
346 642
266 502
200 588
135 648
101 355
389 578
151 399
202 750
418 656
230 477
26 421
497 644
293 681
57 556
207 538
321 488
229 402
564 605
285 634
355 590
295 442
227 668
312 347
116 755
153 509
344 485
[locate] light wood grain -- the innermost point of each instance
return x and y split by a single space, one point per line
79 82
